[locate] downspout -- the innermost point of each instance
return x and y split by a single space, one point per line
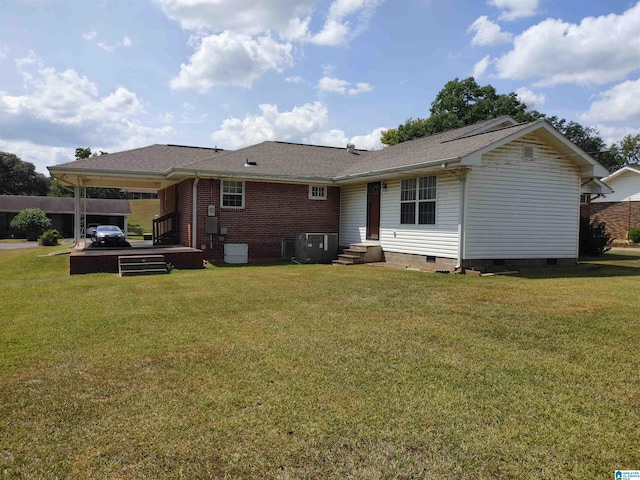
194 213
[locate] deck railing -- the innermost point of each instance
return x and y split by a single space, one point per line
166 229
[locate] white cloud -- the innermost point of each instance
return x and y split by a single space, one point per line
4 51
66 108
90 35
106 46
514 9
232 59
481 66
599 50
238 41
42 156
487 32
249 17
619 104
308 123
613 134
530 98
337 28
294 79
335 85
361 87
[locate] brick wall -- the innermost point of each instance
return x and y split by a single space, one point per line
272 211
618 216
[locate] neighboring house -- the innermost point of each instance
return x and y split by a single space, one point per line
61 212
619 210
497 193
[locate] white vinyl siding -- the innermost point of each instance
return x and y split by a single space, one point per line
522 208
439 240
353 214
626 187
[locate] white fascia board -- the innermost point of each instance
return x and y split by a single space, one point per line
623 170
595 186
178 175
386 173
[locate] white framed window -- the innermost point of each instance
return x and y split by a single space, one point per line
232 194
584 198
317 192
418 197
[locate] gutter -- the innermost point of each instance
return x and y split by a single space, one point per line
433 163
194 213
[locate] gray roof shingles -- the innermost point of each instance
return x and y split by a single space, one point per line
284 160
51 205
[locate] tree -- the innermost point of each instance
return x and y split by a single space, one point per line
589 140
460 103
627 151
32 222
18 177
82 153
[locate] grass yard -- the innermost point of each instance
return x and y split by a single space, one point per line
307 371
142 213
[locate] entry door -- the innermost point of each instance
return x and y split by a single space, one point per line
373 211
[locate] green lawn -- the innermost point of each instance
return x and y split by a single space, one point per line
143 212
318 372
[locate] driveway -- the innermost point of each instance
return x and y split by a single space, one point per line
15 246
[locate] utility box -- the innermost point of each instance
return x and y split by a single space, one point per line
316 247
212 225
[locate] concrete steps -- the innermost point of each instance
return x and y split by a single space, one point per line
359 253
133 265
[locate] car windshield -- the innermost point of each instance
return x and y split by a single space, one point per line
108 228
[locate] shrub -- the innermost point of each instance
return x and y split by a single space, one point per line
594 240
49 238
31 222
634 234
134 229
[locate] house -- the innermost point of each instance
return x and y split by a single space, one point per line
619 210
497 194
61 212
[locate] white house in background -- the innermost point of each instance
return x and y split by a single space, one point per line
497 194
620 210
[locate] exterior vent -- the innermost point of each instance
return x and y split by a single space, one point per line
527 152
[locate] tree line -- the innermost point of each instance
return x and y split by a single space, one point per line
18 177
464 102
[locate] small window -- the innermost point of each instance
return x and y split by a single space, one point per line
584 198
418 201
232 193
317 192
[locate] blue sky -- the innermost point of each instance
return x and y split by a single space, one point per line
120 74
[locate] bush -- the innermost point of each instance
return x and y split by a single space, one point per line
31 222
634 234
594 240
49 238
134 229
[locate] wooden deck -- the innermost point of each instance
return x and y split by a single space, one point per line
97 260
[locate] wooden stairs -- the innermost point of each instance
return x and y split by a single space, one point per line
129 266
359 253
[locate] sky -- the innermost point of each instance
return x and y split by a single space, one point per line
119 74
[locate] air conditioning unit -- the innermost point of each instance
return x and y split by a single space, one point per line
316 247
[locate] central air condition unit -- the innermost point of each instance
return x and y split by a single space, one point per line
316 247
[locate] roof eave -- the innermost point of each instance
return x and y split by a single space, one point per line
389 172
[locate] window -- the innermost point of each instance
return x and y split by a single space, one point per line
317 192
418 201
232 192
584 198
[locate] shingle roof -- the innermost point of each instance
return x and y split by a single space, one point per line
282 159
151 159
51 205
435 148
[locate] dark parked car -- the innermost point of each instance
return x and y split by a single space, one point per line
91 229
110 236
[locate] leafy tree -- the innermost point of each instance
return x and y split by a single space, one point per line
627 151
18 177
82 153
460 103
31 222
589 140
